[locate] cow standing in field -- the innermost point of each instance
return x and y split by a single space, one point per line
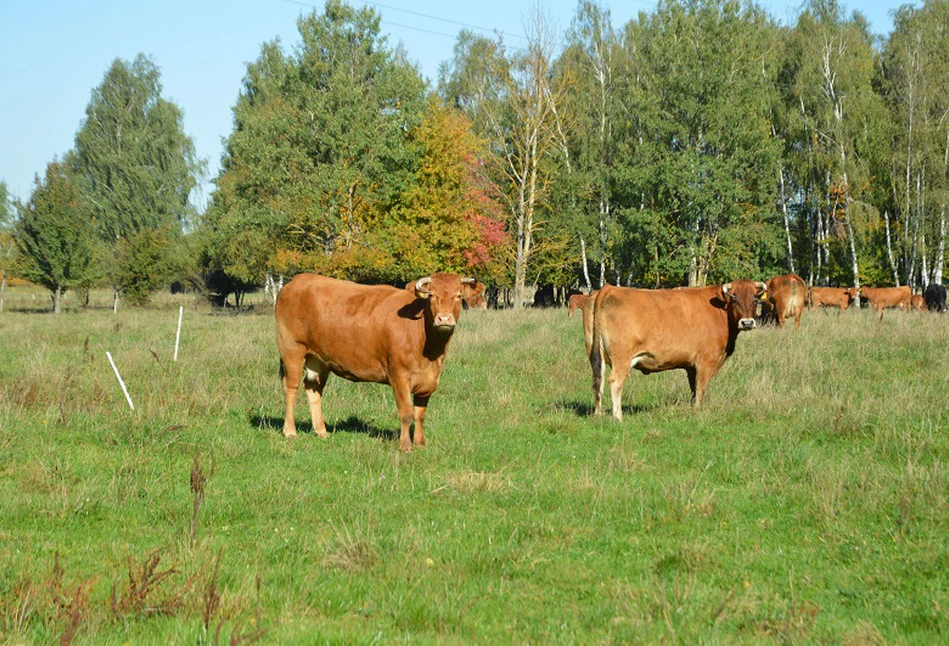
786 295
693 329
832 297
585 303
881 298
935 297
372 333
917 303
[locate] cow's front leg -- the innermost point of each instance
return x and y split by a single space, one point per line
421 405
698 381
403 401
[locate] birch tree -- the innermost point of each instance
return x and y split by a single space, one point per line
917 75
512 99
835 102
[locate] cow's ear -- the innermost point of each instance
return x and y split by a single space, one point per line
421 287
763 296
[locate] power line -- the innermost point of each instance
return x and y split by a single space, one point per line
422 15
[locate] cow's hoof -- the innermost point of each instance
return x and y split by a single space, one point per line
290 435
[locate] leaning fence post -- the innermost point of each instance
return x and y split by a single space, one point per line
121 383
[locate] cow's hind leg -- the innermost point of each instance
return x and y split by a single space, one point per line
291 371
618 374
314 380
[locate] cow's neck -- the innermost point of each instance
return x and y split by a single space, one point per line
732 334
436 344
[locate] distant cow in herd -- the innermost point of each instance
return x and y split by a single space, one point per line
881 298
368 333
785 298
584 302
693 329
935 297
832 297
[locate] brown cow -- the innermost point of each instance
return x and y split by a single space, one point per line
786 295
577 301
655 330
473 296
917 302
832 297
585 302
366 333
881 298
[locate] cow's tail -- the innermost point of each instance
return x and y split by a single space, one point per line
596 356
283 370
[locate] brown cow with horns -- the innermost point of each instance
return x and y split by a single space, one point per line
372 333
692 328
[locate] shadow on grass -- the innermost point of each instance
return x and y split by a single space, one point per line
351 424
585 408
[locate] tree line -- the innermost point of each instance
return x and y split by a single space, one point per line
700 142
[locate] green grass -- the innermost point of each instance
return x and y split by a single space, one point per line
807 501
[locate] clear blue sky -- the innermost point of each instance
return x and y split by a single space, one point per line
54 52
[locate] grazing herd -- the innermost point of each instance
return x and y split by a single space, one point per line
383 334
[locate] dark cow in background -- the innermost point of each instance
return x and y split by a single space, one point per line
374 333
693 329
786 296
881 298
935 297
832 297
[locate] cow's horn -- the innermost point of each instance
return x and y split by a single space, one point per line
468 281
727 288
761 286
421 283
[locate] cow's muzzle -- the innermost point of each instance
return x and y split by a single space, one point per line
445 322
746 324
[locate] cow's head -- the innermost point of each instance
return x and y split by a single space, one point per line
741 301
472 293
443 292
851 293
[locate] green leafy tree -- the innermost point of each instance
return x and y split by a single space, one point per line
319 152
449 220
916 85
55 234
593 61
697 161
514 101
832 67
137 164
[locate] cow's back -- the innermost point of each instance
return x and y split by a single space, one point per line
352 328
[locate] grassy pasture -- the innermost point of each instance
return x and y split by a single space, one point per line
807 501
